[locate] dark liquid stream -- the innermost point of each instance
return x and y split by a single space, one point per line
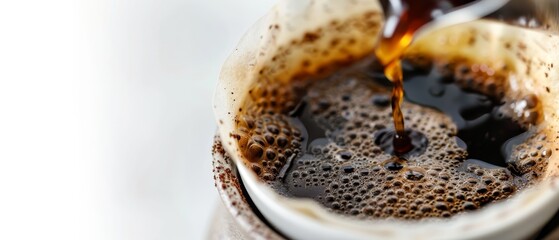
404 19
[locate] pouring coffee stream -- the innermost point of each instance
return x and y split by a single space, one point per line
404 18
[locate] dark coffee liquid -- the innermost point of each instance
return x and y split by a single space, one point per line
482 127
460 160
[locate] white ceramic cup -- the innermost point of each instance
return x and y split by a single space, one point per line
263 50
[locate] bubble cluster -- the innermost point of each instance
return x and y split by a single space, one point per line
268 141
530 157
271 98
475 77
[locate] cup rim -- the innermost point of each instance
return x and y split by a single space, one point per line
228 180
229 188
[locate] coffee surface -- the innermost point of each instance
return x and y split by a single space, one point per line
469 148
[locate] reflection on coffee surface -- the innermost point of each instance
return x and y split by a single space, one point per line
471 145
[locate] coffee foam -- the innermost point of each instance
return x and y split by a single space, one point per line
267 142
268 139
296 40
352 175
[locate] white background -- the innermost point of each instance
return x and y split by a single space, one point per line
105 115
